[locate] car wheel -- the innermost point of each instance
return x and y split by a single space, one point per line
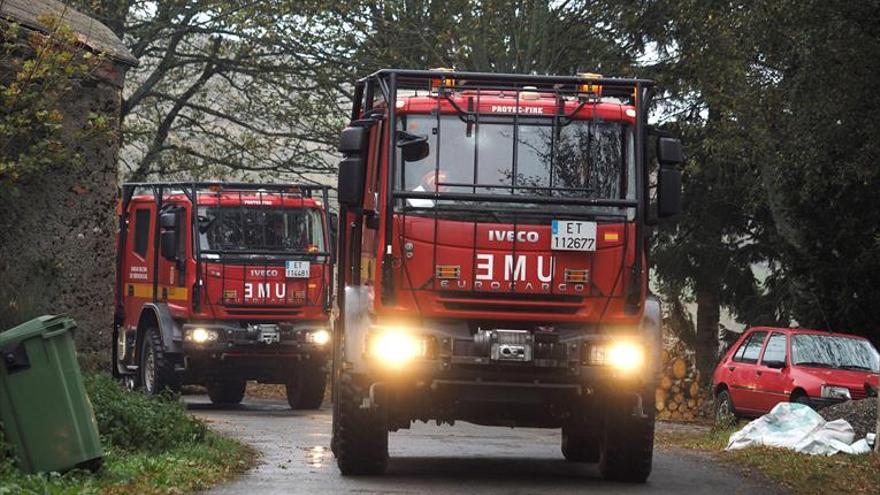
802 399
724 409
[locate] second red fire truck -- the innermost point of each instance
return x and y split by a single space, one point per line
220 283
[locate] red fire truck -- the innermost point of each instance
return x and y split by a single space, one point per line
493 262
219 283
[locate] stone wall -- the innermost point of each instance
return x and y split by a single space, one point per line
57 237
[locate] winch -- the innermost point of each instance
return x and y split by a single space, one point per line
504 345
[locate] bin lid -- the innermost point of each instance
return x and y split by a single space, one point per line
36 327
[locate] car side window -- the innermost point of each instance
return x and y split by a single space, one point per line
776 349
141 231
742 348
751 348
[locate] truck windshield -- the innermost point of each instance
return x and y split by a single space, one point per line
834 352
590 159
259 229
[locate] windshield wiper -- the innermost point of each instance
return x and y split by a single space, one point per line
855 367
815 364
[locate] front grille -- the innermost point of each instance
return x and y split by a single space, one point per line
263 311
511 302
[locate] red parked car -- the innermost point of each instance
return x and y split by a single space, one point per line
767 366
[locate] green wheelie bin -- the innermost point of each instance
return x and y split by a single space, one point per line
46 414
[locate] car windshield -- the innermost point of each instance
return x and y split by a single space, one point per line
833 351
255 229
579 158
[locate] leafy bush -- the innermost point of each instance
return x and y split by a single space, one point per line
136 422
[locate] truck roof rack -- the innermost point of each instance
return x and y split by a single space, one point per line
245 186
540 81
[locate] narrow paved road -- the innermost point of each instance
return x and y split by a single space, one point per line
296 458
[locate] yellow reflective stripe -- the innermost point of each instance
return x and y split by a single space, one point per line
176 293
145 291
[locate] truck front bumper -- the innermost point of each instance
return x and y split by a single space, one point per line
268 353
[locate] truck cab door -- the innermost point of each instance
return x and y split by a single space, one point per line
137 277
173 239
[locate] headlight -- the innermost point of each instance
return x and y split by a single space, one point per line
394 348
319 337
831 392
201 335
626 356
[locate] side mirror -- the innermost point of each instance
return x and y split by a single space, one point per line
169 220
334 232
169 237
353 140
350 182
777 365
413 148
668 192
669 151
334 223
352 169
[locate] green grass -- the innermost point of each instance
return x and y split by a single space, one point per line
152 445
801 473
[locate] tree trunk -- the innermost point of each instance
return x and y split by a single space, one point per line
708 317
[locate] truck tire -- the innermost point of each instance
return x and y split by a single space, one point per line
306 389
360 436
628 441
155 370
226 391
579 446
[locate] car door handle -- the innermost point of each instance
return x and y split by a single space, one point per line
731 368
758 372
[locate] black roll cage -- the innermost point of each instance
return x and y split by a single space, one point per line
192 190
389 82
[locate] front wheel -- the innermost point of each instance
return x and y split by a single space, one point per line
156 370
226 391
627 447
360 436
579 446
306 389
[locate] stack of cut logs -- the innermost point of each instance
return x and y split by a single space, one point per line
679 396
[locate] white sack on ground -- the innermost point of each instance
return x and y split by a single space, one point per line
798 427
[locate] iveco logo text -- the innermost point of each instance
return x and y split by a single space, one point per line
261 272
509 235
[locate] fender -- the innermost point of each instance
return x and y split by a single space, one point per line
169 330
653 334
